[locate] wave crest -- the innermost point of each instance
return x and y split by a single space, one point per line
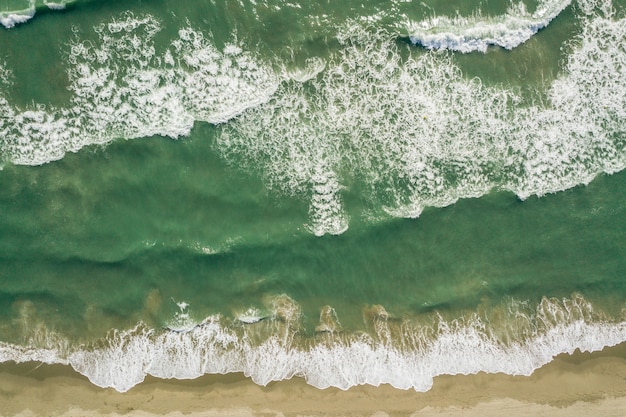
476 33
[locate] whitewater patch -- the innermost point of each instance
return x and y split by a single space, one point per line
122 87
56 5
476 33
412 131
10 18
418 133
405 354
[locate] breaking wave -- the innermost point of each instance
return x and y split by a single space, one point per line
123 88
414 131
10 18
418 133
512 339
469 34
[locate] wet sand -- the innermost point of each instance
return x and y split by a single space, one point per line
581 384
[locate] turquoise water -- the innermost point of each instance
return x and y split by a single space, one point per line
375 192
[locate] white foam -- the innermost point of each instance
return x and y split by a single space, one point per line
580 134
419 134
56 5
250 316
591 7
409 358
463 349
123 88
218 86
312 67
476 33
326 213
182 321
414 130
9 19
17 353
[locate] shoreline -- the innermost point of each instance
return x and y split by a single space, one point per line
570 385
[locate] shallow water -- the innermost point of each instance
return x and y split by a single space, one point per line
425 188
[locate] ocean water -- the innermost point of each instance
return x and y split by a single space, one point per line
350 192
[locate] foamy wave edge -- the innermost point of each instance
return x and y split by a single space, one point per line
438 136
470 34
124 88
10 19
419 134
332 358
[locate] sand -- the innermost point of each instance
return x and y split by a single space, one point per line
582 384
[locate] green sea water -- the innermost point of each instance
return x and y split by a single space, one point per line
196 187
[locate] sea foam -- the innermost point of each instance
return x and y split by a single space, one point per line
469 34
413 131
405 354
124 88
418 133
9 19
56 5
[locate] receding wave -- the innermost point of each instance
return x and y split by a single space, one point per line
476 33
403 352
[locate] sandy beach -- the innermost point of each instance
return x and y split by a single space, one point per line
581 384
